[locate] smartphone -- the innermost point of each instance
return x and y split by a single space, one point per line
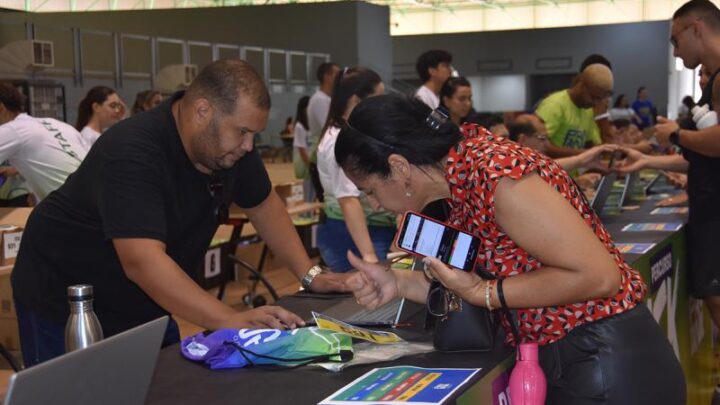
423 236
616 155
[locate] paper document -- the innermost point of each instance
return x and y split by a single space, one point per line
403 385
634 248
375 336
652 226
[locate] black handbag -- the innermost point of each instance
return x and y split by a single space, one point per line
472 329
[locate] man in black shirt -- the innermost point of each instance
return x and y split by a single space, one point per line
695 36
140 212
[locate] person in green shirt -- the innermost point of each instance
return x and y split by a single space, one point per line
570 115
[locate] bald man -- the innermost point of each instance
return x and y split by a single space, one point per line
571 116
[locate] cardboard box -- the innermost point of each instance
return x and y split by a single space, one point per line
291 193
7 305
10 236
9 333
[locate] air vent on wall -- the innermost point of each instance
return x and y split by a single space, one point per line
502 65
172 78
17 58
43 54
561 63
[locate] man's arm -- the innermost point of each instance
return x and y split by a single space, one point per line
705 141
273 223
10 142
606 130
146 264
637 161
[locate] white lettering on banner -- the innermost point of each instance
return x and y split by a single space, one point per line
503 398
11 244
212 263
254 336
661 268
666 299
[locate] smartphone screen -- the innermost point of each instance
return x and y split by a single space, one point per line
427 237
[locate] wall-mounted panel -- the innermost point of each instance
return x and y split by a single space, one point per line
98 51
200 54
137 55
62 39
169 53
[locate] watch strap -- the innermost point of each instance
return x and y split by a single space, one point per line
675 138
310 276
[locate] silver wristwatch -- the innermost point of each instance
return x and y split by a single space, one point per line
310 276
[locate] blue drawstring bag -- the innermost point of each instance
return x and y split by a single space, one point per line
237 348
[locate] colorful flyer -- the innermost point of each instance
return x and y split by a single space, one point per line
652 226
375 336
403 385
669 210
634 248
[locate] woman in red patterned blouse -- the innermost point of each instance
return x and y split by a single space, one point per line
573 293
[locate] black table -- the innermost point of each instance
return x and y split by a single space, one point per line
179 381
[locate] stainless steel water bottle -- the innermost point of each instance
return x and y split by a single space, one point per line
82 328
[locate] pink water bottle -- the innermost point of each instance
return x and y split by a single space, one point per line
527 381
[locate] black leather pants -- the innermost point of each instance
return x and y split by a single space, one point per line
624 359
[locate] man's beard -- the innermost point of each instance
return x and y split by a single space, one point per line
209 144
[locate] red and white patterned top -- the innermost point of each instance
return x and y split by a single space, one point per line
473 170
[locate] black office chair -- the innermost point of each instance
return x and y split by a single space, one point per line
252 298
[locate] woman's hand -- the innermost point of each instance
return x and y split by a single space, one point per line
374 285
467 285
590 158
633 162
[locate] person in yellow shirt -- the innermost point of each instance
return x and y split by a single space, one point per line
570 115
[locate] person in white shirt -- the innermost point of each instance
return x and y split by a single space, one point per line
621 111
434 68
44 150
301 154
99 110
351 223
319 104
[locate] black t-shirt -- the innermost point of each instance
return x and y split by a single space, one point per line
136 182
703 176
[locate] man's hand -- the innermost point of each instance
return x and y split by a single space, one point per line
265 317
663 129
678 199
633 162
330 283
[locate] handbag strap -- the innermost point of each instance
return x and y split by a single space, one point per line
507 313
